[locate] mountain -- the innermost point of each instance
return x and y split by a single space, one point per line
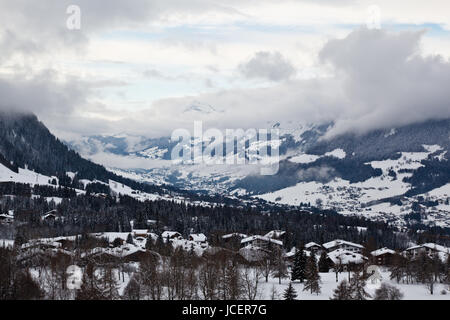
385 174
26 143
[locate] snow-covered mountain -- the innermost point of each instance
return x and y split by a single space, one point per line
392 174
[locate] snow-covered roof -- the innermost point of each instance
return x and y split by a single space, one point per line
432 246
338 242
293 251
120 252
312 244
197 237
236 234
436 247
263 238
382 251
169 234
341 256
274 234
140 231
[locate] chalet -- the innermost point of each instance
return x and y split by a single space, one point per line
346 260
234 236
344 245
383 256
430 249
197 237
261 242
253 253
139 233
6 218
171 235
289 257
139 255
276 234
313 247
50 216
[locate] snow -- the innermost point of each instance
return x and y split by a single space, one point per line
24 176
382 251
262 238
170 234
328 284
342 256
6 243
197 237
304 158
311 244
231 235
275 234
337 153
363 198
339 242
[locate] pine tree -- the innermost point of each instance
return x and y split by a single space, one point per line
290 293
324 264
130 239
299 269
342 291
312 276
357 287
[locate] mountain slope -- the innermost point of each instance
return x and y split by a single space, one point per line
25 142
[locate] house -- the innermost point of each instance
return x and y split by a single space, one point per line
233 236
383 256
346 260
344 245
50 216
430 249
289 257
6 218
313 247
276 234
197 237
139 233
261 242
170 235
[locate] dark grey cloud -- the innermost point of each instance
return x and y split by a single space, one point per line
42 93
268 65
385 81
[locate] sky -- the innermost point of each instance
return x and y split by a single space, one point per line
147 67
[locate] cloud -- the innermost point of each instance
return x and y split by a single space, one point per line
268 65
385 81
375 78
378 80
321 174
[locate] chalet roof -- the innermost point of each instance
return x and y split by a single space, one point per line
170 234
345 257
293 251
432 246
338 242
436 247
274 234
262 238
236 234
312 244
382 251
197 237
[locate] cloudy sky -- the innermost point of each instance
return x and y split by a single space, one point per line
150 66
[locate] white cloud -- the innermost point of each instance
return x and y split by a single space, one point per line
268 65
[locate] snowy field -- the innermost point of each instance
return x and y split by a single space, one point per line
410 291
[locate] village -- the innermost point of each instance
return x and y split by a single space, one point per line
265 255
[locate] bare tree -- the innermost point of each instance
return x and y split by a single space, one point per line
251 280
